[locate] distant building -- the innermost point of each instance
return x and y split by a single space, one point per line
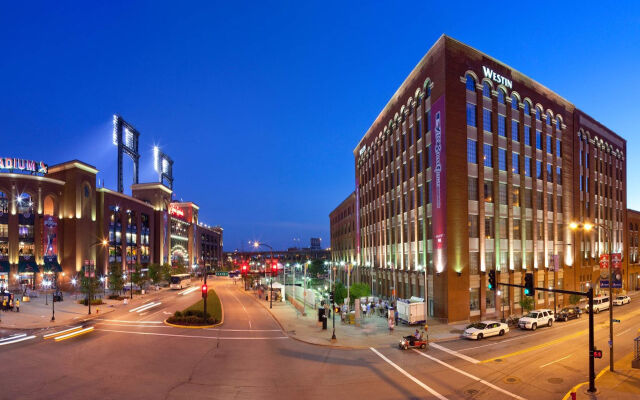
316 244
342 223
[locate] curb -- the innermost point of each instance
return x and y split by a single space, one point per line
334 346
55 325
203 326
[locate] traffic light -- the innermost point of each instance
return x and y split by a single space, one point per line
244 269
331 297
528 284
274 269
492 279
204 291
597 353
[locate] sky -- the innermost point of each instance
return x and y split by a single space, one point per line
260 104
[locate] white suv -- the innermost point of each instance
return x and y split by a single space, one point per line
535 319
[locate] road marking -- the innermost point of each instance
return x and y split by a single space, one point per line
623 332
493 343
553 362
132 325
243 330
455 353
538 346
142 306
129 322
196 336
190 290
12 337
491 385
50 335
408 375
73 334
145 307
16 339
245 310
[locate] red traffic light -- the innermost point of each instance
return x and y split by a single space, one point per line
597 354
204 290
244 269
274 268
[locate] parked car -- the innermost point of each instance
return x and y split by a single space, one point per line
600 303
478 330
535 319
621 300
568 313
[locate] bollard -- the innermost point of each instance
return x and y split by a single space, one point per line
573 396
97 310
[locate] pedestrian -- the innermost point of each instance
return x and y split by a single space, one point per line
4 304
10 304
390 321
17 305
395 313
368 309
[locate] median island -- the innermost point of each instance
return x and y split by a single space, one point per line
194 315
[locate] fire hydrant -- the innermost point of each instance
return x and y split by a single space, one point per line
97 310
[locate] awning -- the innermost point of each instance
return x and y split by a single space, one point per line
30 265
52 266
5 267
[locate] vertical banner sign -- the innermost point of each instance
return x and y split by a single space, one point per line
616 272
604 261
49 237
438 184
165 235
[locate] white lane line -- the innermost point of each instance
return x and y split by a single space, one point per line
491 385
132 325
492 343
142 306
141 310
623 332
20 339
245 310
196 336
190 290
242 330
553 362
74 334
129 322
408 375
13 337
75 328
455 353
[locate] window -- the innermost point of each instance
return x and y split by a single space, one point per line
527 166
558 148
549 145
528 198
488 149
486 120
515 163
538 140
528 230
471 114
515 133
538 114
527 135
502 193
428 119
502 159
515 196
471 83
500 96
516 229
503 228
549 173
486 90
488 228
488 191
473 226
472 188
472 151
559 175
474 299
538 169
474 258
558 124
514 102
539 204
549 118
527 108
419 122
502 121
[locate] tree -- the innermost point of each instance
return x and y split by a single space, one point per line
165 272
137 277
358 290
116 282
155 273
340 293
89 285
526 303
315 268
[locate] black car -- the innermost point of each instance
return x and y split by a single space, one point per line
568 313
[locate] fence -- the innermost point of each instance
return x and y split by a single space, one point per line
636 353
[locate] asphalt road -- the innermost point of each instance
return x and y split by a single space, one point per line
132 355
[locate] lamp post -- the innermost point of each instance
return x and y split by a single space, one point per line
304 294
587 227
333 305
257 244
103 242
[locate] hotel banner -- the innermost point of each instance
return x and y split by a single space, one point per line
438 184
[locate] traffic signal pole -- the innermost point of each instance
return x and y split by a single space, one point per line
589 295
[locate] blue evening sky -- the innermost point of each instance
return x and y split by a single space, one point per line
261 104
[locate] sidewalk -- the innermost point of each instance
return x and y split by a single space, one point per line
373 331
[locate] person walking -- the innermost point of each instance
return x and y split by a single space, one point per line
17 305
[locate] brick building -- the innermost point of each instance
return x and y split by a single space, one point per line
472 166
342 222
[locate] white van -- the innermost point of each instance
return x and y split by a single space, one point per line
600 303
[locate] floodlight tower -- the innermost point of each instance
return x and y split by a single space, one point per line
127 145
163 165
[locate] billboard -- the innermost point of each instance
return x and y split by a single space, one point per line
438 184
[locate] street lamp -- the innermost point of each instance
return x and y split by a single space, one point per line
257 244
102 242
587 227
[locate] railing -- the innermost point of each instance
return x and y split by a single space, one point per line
636 353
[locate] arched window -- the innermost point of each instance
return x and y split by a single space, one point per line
500 96
49 205
471 83
527 108
24 203
428 91
558 124
538 114
514 102
486 90
549 118
4 204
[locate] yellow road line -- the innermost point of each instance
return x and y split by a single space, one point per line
50 335
560 340
73 334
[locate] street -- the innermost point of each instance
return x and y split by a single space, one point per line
132 354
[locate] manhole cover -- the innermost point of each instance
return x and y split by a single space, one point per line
471 392
511 379
555 380
498 360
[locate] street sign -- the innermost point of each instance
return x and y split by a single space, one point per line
616 320
222 273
